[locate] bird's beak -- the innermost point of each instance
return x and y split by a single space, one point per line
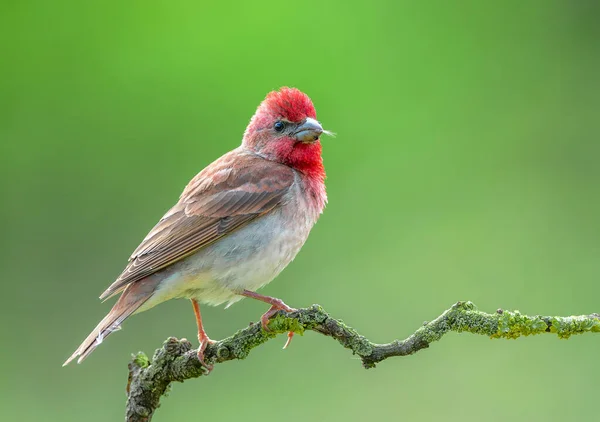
309 131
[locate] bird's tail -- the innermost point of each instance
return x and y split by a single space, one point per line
134 296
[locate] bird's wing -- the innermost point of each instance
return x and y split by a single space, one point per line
229 193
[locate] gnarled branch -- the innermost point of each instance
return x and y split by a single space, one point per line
176 360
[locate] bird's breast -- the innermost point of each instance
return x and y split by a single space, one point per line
251 256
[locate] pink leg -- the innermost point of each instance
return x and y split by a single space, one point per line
202 336
276 306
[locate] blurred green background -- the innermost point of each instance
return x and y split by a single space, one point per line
466 167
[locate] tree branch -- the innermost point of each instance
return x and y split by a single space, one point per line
176 360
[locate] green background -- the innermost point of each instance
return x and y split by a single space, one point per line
465 167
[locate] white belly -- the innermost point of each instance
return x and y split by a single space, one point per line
248 259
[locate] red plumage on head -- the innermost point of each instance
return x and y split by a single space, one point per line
288 103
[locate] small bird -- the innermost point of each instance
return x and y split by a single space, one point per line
236 226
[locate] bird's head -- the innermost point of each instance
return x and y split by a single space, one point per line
285 129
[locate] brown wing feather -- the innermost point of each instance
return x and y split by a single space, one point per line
229 193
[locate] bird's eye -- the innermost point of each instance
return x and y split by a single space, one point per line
279 126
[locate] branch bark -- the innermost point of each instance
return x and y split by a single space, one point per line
176 360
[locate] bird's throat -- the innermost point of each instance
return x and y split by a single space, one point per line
307 159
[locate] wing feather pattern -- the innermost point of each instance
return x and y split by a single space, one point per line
234 190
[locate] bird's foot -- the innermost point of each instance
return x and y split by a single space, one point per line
276 306
204 342
202 337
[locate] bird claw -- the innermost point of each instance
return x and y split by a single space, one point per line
203 344
276 306
264 319
290 335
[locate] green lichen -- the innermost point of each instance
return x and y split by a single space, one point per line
283 324
241 343
465 306
316 315
468 318
512 325
141 360
565 327
462 317
360 345
428 333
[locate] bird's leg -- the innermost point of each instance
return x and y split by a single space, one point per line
202 336
276 306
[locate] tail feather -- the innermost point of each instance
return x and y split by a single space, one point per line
134 296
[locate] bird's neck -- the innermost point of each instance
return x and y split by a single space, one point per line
307 159
315 190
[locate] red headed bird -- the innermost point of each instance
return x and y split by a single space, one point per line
236 226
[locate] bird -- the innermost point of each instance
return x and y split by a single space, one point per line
237 224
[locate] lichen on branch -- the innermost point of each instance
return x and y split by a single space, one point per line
176 360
